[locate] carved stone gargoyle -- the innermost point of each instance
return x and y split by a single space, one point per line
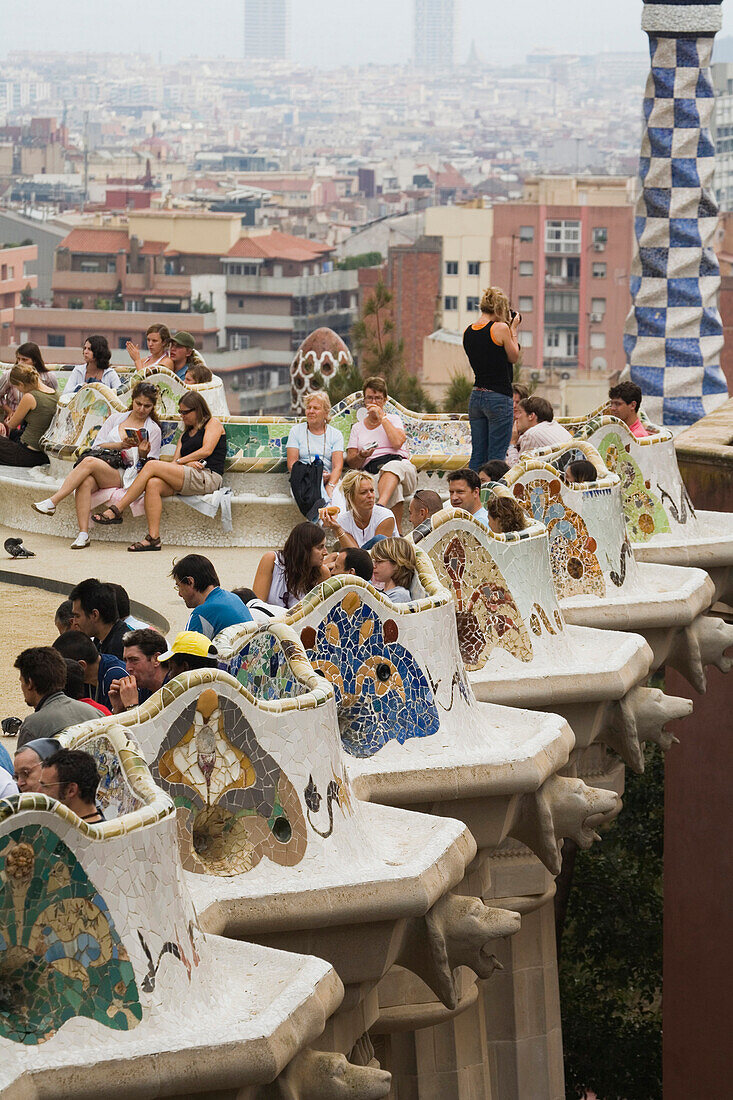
641 716
703 642
562 807
456 931
322 1075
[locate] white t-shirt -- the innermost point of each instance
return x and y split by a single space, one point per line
78 376
109 433
379 515
312 446
7 784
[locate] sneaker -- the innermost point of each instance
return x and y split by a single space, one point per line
81 541
45 507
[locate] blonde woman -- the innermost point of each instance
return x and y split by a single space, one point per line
36 407
395 565
363 520
157 337
309 441
492 348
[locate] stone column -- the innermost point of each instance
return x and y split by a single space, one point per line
674 335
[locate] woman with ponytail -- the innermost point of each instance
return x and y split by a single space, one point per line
492 348
36 408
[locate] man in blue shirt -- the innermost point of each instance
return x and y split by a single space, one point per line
464 487
213 607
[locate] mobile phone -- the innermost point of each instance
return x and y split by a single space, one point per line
371 447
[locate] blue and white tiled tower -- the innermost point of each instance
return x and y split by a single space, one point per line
674 334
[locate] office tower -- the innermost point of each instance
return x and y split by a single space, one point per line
267 29
434 32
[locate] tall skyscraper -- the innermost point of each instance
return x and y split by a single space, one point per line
434 33
267 29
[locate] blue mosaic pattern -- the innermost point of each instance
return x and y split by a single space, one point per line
264 669
674 336
381 692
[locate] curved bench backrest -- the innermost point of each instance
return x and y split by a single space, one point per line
590 552
501 584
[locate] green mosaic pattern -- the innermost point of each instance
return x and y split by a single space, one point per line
644 511
60 954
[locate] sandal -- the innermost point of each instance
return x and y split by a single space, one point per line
148 543
104 520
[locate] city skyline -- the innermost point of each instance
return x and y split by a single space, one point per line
325 33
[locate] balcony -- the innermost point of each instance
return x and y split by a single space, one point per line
562 319
562 282
297 286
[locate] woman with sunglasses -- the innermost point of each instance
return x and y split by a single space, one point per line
196 469
135 434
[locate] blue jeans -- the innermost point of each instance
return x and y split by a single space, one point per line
491 416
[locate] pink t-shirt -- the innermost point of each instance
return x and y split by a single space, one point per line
638 429
361 437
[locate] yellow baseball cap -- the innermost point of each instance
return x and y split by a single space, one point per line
190 642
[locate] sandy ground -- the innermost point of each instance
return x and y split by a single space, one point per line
27 620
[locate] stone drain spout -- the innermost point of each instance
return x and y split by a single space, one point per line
703 642
562 807
641 716
322 1075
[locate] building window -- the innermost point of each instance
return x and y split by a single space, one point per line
526 304
451 267
474 267
598 339
597 309
240 303
472 304
600 235
526 232
562 236
526 267
525 338
238 341
90 265
26 268
552 339
55 340
599 271
450 302
561 301
122 342
571 343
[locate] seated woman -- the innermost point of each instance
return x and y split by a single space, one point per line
26 355
95 367
157 337
395 563
309 441
196 374
197 468
283 578
580 472
378 444
36 407
363 519
93 474
505 514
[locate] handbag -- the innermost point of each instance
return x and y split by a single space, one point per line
306 484
375 464
114 459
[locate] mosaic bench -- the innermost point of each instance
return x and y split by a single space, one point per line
100 947
518 649
597 578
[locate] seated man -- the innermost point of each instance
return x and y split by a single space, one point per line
577 473
28 762
260 611
100 669
213 607
64 618
353 560
378 444
42 681
624 402
190 650
464 487
537 428
71 777
145 674
95 613
183 353
123 608
493 470
423 506
76 687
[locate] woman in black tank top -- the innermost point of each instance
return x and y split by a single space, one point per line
196 469
492 349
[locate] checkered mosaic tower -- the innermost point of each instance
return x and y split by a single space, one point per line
674 335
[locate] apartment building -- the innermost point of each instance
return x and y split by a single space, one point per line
434 31
722 132
267 29
16 264
563 255
414 278
465 234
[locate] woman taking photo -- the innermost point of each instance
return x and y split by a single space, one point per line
95 367
197 469
492 348
157 337
315 439
363 519
283 578
94 473
36 407
395 565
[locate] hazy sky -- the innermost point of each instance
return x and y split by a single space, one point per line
325 32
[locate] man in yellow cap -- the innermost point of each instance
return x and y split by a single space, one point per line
190 650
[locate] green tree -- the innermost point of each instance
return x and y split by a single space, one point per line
200 305
457 394
26 295
363 259
611 962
